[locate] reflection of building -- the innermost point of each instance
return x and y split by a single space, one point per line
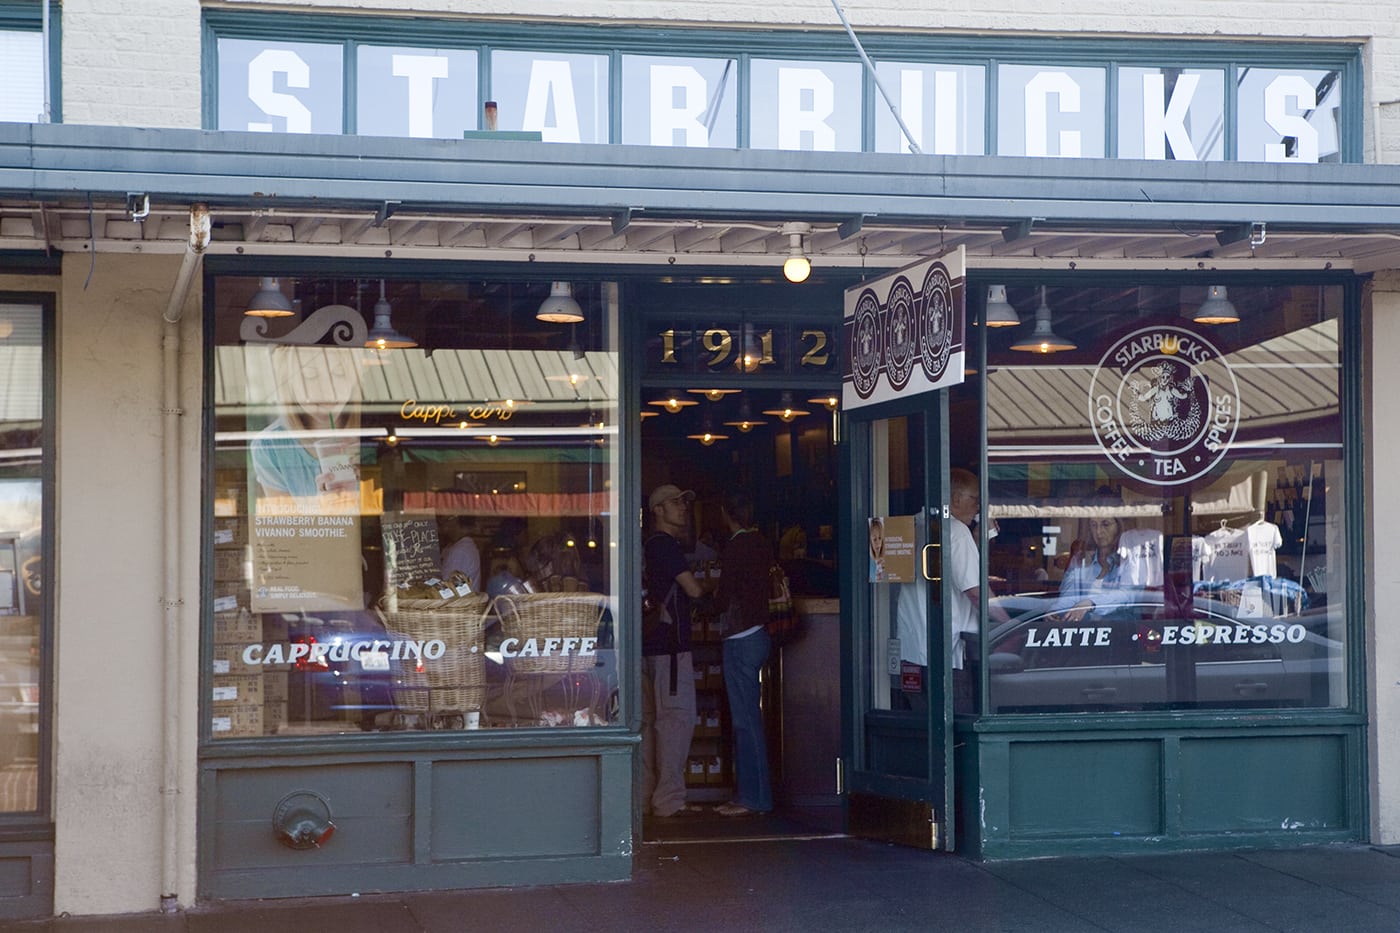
671 249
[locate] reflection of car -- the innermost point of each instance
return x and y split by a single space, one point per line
1140 656
344 681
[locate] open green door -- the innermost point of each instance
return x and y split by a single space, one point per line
904 345
898 728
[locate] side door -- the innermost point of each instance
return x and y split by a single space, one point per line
897 702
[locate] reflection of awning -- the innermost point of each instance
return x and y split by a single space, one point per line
464 380
513 503
1288 380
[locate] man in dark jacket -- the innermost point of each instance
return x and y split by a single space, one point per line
743 596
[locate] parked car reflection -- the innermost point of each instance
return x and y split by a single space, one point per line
1142 656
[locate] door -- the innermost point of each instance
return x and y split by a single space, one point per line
897 703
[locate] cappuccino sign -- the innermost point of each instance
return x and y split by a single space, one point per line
1164 405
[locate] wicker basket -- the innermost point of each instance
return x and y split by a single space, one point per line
550 615
454 683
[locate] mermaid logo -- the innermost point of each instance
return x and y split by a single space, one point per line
1164 405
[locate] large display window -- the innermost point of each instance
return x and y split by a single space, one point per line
1165 497
414 504
25 448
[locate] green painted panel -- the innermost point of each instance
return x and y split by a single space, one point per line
371 806
516 808
1078 788
1272 783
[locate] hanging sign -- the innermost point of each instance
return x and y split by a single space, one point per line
903 332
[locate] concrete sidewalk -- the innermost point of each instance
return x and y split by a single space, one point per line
850 884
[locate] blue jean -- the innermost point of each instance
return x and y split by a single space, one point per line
742 659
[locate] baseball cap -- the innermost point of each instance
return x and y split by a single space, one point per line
666 492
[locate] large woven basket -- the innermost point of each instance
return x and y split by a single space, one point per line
541 616
454 683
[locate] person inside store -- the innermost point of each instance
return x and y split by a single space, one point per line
668 682
459 552
554 567
963 574
743 604
1096 580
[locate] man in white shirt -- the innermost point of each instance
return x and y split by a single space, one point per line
462 554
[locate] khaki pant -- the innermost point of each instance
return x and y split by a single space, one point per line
668 721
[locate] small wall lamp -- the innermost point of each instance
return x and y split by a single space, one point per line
797 266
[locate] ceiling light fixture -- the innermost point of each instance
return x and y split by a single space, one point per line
1216 309
673 403
560 307
786 411
707 435
1042 338
713 395
797 266
999 311
745 421
382 335
829 402
268 300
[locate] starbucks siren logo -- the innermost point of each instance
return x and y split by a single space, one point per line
865 344
1164 405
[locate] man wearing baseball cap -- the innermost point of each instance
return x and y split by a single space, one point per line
668 684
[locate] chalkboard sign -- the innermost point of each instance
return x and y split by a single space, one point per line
411 549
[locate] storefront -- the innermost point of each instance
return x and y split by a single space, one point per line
411 395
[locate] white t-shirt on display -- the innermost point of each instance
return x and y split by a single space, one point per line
1264 540
1141 552
1229 555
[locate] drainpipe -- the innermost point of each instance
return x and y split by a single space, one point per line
173 670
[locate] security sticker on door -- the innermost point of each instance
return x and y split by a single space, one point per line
892 656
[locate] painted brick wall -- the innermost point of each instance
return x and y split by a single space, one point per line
131 62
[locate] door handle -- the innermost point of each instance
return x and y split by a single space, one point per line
1099 693
924 560
1247 686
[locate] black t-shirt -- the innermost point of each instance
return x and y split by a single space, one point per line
664 562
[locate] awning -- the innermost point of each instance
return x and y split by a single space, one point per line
67 187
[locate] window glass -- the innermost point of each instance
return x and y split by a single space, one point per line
1166 500
668 101
21 76
414 537
1048 111
563 97
402 91
1171 113
811 106
23 437
1289 115
944 107
280 87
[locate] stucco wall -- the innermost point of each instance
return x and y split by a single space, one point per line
1383 556
111 653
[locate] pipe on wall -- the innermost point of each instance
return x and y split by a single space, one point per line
172 606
